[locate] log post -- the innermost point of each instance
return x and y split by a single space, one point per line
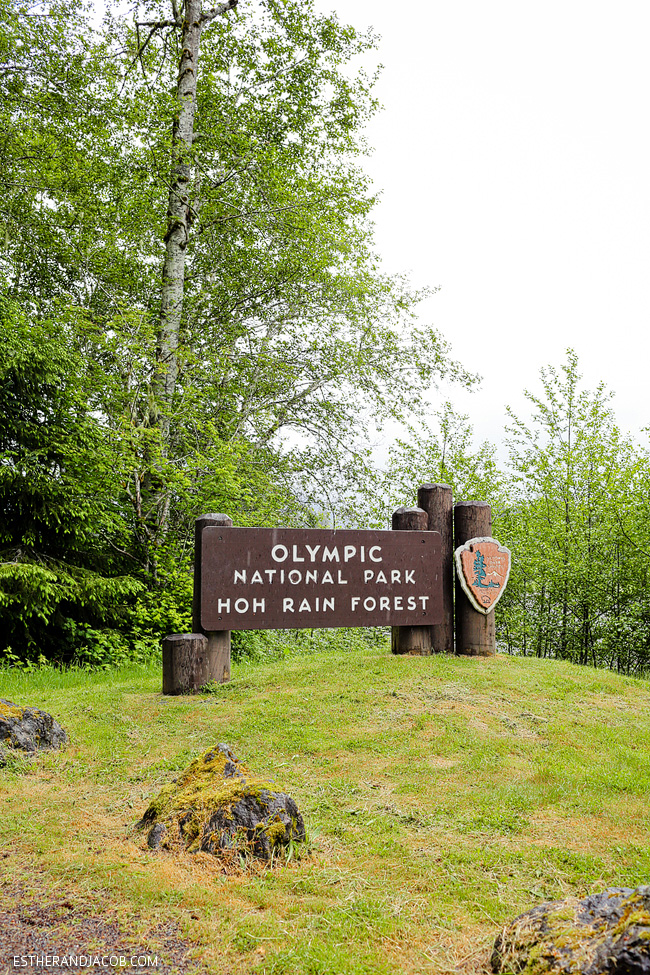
218 652
475 634
414 640
185 663
437 501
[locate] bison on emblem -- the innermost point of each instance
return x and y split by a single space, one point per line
483 567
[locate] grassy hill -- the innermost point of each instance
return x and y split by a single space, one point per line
442 796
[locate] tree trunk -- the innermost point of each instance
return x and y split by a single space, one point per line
178 221
540 627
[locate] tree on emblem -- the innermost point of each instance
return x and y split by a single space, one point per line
479 570
479 573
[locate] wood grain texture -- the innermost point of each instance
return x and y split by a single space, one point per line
414 640
218 650
475 633
437 500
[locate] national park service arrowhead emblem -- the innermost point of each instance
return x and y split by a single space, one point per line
483 567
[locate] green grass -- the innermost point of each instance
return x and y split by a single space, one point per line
442 796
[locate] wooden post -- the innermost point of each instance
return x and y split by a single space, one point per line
218 652
437 501
475 635
185 663
415 640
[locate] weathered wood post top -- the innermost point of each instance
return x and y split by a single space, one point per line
218 640
438 502
413 639
482 570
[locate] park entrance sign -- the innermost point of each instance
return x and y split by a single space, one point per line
258 578
292 578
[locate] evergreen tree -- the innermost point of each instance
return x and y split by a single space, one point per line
66 568
479 569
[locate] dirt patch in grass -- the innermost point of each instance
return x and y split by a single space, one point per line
37 921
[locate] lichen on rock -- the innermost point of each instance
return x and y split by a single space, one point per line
27 729
217 804
604 934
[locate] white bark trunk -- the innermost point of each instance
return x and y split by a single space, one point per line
178 210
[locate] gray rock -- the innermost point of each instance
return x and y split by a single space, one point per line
604 934
28 729
218 806
254 823
156 836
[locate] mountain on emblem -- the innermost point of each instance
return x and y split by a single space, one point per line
483 567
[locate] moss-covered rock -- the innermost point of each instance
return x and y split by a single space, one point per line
217 804
27 729
604 933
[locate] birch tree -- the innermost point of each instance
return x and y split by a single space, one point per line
190 21
189 187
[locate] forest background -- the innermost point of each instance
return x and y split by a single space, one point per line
192 319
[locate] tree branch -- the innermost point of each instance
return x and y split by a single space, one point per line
155 25
223 8
269 78
159 24
250 214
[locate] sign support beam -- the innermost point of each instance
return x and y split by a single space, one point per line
475 632
218 650
437 500
413 640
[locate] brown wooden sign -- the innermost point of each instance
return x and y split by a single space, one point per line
288 578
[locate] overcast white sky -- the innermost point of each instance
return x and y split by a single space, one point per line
514 158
